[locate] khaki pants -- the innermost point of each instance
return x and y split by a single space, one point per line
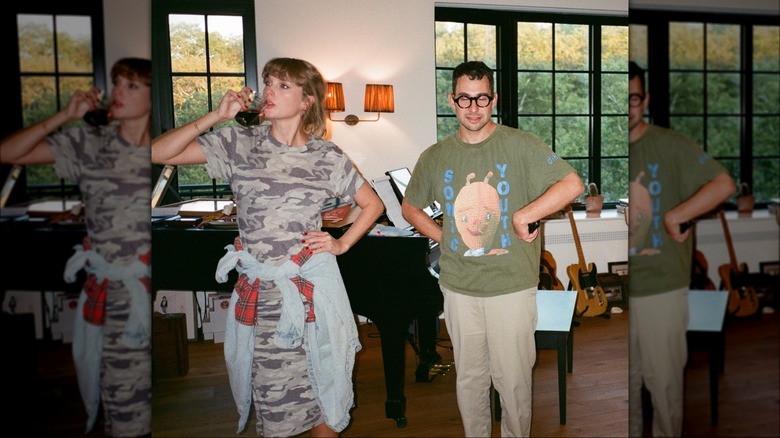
658 352
493 339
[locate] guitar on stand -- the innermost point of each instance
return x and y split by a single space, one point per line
699 266
591 300
548 277
743 299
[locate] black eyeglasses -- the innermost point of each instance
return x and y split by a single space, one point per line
635 99
464 101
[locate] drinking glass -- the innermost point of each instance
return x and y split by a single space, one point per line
99 115
252 114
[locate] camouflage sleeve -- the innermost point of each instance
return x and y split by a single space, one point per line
66 146
216 146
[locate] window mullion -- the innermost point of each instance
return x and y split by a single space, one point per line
595 105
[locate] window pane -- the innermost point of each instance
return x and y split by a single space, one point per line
220 86
534 46
188 43
614 48
36 43
723 96
766 46
723 136
571 47
534 92
723 44
614 93
693 127
571 136
766 179
686 93
446 126
766 136
39 98
482 44
581 166
571 93
449 44
190 99
193 174
686 45
69 85
226 44
614 136
637 44
766 93
74 44
538 126
443 90
614 176
732 166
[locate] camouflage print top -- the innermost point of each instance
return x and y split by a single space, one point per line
115 179
279 190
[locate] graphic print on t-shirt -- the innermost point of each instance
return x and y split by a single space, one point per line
643 213
477 216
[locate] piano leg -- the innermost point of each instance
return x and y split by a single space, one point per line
393 336
427 330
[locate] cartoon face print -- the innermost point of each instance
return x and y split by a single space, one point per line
640 216
477 215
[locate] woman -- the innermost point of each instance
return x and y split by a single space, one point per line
111 344
289 300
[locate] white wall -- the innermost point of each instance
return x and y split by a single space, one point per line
356 42
128 30
767 7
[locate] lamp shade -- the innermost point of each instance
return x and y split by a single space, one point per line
334 97
379 99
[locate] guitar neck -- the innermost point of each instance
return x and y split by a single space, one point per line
580 255
729 245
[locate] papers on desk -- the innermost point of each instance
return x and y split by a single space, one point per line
392 207
555 309
706 310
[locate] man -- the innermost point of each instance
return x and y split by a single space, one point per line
493 181
672 181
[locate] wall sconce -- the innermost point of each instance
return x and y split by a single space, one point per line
379 99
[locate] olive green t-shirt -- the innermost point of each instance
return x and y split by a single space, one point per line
665 168
479 187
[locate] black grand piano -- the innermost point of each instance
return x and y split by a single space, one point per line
388 280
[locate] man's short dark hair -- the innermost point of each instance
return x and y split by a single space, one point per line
635 71
474 70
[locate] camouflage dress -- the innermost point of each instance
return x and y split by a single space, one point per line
279 191
114 177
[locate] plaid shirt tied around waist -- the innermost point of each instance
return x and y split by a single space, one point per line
246 305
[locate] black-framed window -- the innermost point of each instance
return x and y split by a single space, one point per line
716 79
55 50
201 49
562 77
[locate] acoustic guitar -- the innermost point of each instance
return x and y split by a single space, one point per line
548 270
591 300
548 279
700 280
743 299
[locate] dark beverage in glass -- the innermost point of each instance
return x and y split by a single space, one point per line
250 117
97 117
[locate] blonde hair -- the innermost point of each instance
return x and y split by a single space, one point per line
309 78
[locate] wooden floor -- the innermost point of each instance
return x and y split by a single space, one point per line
200 403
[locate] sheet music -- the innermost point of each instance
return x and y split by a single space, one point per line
389 198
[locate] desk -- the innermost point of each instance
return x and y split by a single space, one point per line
706 313
555 310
